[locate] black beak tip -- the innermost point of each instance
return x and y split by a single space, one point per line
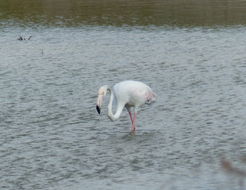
98 109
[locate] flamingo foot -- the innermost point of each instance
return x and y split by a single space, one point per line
133 128
133 132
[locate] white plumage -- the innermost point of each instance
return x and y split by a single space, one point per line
127 94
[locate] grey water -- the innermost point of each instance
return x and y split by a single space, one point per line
51 136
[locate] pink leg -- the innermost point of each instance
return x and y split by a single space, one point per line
134 122
130 116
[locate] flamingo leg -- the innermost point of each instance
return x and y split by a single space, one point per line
133 118
134 122
130 114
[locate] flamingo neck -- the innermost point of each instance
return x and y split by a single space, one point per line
119 109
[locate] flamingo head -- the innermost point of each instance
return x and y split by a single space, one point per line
101 93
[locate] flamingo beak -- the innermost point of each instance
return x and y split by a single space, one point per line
98 109
99 103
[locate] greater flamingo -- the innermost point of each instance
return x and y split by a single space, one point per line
127 94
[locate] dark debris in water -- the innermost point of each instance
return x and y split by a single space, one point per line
228 167
23 38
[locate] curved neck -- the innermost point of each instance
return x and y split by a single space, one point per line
119 108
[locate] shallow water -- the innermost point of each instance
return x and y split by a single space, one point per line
53 138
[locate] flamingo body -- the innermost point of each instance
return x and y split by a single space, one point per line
133 93
128 94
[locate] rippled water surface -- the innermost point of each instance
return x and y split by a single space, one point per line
51 136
